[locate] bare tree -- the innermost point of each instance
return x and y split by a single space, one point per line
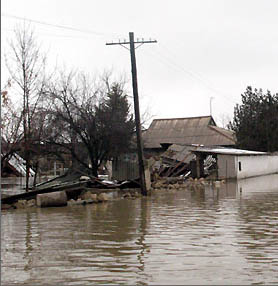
26 65
93 118
224 120
11 133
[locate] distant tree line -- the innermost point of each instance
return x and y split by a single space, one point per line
89 119
255 121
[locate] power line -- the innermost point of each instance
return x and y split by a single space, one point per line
199 78
57 26
171 64
166 60
132 48
57 35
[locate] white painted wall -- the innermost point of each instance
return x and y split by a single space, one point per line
256 165
251 166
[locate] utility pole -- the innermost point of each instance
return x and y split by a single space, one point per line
0 167
132 48
210 105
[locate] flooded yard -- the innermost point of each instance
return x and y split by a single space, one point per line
226 235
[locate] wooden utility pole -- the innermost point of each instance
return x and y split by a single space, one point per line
210 105
131 44
0 152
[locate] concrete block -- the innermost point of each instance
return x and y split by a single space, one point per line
102 197
94 198
86 195
55 199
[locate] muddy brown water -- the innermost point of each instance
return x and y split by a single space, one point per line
211 236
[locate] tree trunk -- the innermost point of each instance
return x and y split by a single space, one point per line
95 170
36 173
27 176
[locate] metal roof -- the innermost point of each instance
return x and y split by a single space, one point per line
178 153
225 151
191 130
20 165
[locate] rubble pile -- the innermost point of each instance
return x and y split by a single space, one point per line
169 184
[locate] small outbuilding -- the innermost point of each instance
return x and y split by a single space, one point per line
236 163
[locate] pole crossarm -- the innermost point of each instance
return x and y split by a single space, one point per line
140 153
123 43
128 43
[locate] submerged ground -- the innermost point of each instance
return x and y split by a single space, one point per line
209 236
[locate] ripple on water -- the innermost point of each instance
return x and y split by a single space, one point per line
171 238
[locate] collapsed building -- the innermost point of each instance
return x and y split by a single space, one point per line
168 144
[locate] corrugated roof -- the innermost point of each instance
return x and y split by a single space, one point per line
179 153
192 130
225 151
20 165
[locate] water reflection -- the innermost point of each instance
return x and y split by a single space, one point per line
258 239
225 235
28 243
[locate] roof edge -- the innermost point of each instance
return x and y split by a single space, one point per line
223 134
181 118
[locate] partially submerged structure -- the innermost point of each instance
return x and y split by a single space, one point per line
14 174
237 164
168 142
15 167
177 146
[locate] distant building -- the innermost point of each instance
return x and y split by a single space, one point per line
201 130
15 167
172 140
238 164
13 174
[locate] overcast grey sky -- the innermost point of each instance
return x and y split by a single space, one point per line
206 48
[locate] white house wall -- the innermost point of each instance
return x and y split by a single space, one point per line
252 166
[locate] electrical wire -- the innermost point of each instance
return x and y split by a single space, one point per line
55 35
165 60
205 82
171 62
95 33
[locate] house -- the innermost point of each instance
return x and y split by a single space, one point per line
201 130
171 139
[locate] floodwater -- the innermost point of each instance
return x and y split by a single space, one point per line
209 237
